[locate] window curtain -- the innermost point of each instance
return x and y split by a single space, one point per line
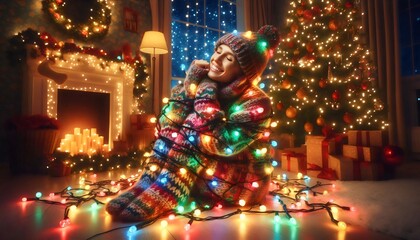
161 15
381 27
258 13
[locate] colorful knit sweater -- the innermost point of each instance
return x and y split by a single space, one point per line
222 140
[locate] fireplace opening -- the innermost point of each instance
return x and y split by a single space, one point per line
84 110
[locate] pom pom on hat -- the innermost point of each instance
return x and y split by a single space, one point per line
252 49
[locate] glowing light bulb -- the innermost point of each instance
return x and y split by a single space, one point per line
274 143
64 223
277 217
299 175
210 172
197 213
193 88
263 208
180 209
207 139
260 110
38 194
174 134
255 184
325 192
165 100
342 225
171 217
24 199
292 221
248 34
183 170
153 168
242 202
191 138
132 229
187 227
274 163
163 223
214 183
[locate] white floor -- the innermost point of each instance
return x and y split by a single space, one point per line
39 220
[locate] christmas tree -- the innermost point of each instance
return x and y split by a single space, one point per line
140 84
324 77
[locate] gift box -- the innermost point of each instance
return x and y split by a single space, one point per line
293 162
319 147
345 168
348 169
277 153
142 121
373 138
361 153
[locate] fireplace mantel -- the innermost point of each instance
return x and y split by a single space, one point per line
83 73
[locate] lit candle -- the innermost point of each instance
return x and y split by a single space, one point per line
76 131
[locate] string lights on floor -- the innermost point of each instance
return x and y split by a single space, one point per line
290 196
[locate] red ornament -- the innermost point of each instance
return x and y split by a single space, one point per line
310 47
294 27
348 118
335 96
322 83
308 14
364 86
348 4
393 155
279 106
332 25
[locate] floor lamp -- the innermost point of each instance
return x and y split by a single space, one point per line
153 43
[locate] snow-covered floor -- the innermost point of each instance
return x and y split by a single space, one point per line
383 210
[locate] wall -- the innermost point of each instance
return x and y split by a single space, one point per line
19 15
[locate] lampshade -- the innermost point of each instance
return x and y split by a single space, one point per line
153 42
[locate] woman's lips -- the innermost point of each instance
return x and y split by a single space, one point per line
215 68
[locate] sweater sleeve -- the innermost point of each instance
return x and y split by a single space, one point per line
245 122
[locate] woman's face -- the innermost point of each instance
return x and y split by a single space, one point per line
224 67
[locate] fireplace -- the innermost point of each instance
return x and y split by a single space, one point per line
88 79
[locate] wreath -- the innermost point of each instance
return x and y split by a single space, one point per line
83 19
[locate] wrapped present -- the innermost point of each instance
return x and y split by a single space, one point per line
277 153
319 147
293 162
348 169
361 153
141 139
345 168
142 121
373 138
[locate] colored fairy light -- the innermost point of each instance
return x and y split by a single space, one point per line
277 217
153 168
292 221
262 85
171 217
64 223
263 208
132 229
274 163
242 202
299 175
255 184
183 170
163 223
214 183
24 199
38 195
342 225
180 209
174 134
228 151
197 213
164 180
274 143
191 138
210 172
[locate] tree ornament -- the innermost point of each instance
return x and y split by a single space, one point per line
322 83
393 155
320 121
333 25
309 127
364 85
335 95
348 118
348 4
290 71
286 84
279 106
291 112
294 27
308 15
310 47
301 93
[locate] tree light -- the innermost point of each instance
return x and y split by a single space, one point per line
342 225
132 229
242 202
163 223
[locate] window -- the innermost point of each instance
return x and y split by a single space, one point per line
409 25
196 26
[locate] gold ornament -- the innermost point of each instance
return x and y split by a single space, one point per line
291 112
308 127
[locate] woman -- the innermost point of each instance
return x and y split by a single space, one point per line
212 142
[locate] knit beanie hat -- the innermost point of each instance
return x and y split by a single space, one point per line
252 49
